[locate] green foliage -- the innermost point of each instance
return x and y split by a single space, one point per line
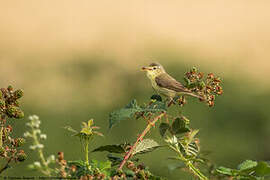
86 134
87 131
118 148
248 164
101 167
134 171
127 112
116 160
183 142
145 146
182 138
98 168
163 127
132 109
179 126
156 97
225 171
122 161
247 170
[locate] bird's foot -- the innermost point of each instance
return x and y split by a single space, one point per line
171 102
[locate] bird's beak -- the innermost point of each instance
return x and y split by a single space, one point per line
145 68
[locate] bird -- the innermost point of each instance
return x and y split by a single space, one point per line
165 84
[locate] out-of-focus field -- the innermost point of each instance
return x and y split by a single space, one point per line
81 60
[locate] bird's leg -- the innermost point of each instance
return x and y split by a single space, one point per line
170 102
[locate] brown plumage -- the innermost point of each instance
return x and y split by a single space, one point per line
166 81
164 84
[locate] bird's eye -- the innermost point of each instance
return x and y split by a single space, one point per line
154 68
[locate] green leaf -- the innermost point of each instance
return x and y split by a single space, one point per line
201 84
81 168
114 159
103 167
146 145
90 123
127 112
156 97
179 126
71 129
132 108
187 81
130 173
262 169
86 131
248 164
174 166
118 148
192 149
100 164
163 127
224 170
192 85
78 163
132 105
155 107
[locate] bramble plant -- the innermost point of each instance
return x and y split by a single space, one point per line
10 109
251 170
86 134
123 162
182 139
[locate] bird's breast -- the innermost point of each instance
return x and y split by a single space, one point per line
163 91
154 84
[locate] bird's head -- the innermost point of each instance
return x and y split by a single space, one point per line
153 70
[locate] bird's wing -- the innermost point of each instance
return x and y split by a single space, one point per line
166 81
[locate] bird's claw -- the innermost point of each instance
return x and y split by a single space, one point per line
171 102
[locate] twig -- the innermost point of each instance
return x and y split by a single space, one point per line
6 166
140 138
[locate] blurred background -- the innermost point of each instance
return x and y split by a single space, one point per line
78 60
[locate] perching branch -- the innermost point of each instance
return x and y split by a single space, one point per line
140 138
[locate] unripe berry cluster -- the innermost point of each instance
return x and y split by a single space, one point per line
207 87
10 108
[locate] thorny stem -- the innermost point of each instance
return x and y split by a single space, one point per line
140 138
6 166
1 145
1 136
189 164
